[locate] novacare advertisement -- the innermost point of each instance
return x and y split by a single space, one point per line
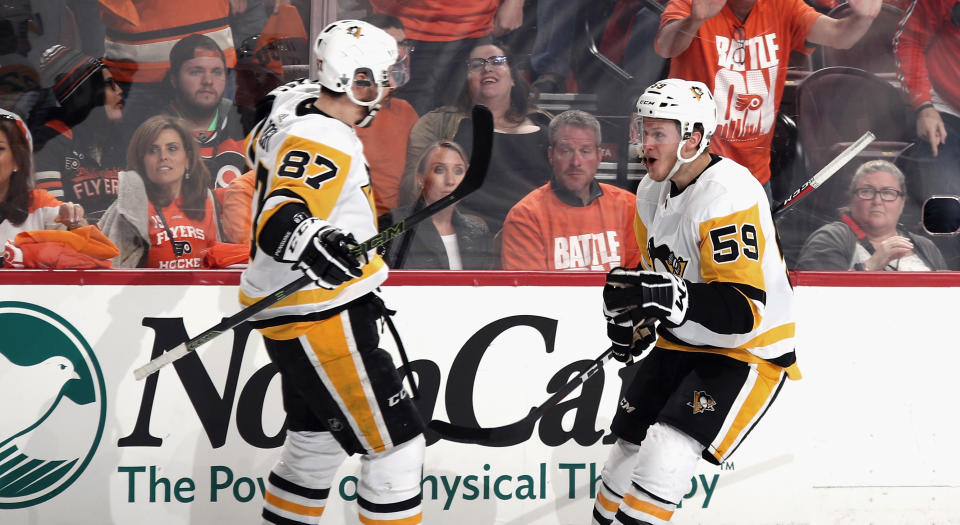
867 436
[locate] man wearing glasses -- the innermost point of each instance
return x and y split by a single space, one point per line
572 222
741 49
867 237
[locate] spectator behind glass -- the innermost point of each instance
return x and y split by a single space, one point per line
867 236
450 240
196 82
78 149
164 218
22 208
443 33
573 222
928 58
740 49
385 139
519 158
139 35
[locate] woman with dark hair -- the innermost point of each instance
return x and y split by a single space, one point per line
164 215
450 240
79 148
21 207
519 159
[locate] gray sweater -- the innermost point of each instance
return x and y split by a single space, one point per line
125 221
832 247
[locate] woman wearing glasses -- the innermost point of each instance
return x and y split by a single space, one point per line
519 159
867 236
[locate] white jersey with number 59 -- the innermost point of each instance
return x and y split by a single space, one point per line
306 158
719 229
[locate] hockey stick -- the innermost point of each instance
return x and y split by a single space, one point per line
825 172
473 179
519 431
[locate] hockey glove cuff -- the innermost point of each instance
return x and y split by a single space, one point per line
654 294
322 252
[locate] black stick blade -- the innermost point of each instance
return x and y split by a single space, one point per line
503 436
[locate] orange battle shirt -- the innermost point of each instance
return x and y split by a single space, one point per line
748 93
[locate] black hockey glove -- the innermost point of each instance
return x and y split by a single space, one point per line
654 294
630 335
322 252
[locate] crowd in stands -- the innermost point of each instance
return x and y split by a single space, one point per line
124 122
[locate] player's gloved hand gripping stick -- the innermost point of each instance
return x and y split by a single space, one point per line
472 180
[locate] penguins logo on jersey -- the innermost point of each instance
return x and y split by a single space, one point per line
669 261
702 402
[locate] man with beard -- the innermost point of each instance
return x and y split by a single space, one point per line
198 79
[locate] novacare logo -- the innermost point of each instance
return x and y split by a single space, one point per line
52 404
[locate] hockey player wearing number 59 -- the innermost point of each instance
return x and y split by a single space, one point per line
713 282
341 393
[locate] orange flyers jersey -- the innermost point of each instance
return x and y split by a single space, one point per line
193 238
543 233
719 229
302 156
141 33
747 76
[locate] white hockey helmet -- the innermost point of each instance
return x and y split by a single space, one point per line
346 48
686 101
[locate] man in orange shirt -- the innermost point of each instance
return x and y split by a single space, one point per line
740 49
572 222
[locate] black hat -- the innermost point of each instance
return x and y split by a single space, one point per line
190 47
64 70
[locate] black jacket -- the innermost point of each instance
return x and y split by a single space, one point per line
422 249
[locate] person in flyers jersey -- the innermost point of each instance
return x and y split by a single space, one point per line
740 49
164 215
79 148
197 80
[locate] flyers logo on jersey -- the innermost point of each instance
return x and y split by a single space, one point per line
670 261
702 402
355 31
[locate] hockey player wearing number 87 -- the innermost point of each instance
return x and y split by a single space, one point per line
341 393
713 281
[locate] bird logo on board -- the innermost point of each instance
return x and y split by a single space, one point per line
50 386
702 402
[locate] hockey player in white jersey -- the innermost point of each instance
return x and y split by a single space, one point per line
341 393
713 283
